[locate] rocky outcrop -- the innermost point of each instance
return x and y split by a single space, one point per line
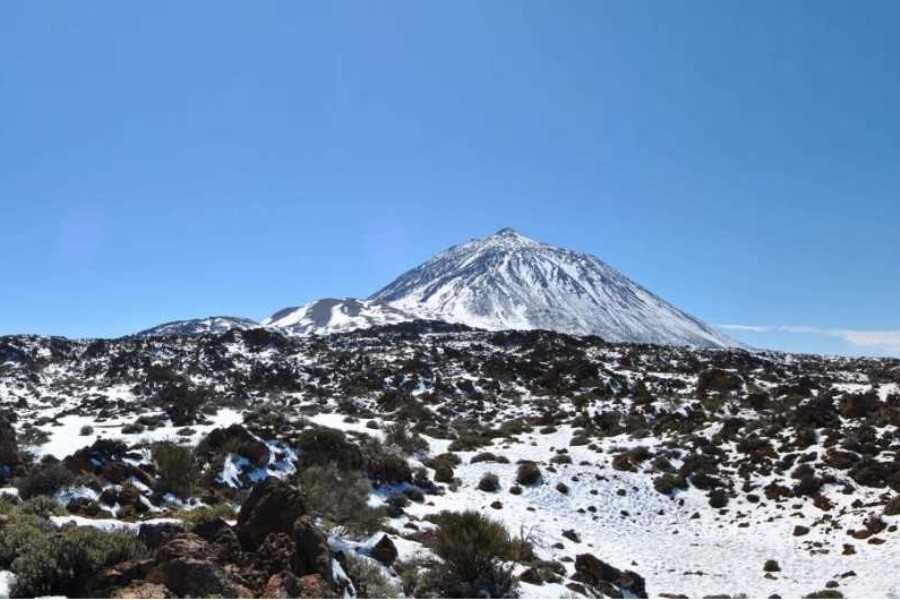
288 585
384 551
272 507
236 440
608 580
312 554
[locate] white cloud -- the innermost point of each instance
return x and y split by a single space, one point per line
884 340
753 328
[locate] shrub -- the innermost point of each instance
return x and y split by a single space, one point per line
469 440
383 466
321 446
489 483
17 532
528 474
62 563
86 430
368 578
42 506
182 403
472 547
401 435
202 514
45 480
341 497
176 467
489 457
58 562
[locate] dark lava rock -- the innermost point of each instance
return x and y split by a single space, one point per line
154 535
235 439
592 571
313 554
273 506
384 551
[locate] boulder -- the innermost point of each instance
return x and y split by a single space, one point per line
593 572
288 585
312 555
193 578
95 457
272 507
235 439
184 545
384 551
222 538
141 590
276 553
154 535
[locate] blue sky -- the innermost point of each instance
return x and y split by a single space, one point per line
173 160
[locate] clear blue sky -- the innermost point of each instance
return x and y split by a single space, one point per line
173 160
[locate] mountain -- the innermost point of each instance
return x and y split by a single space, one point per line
333 315
192 327
508 281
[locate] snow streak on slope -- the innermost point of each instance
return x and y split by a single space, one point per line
191 327
508 281
332 315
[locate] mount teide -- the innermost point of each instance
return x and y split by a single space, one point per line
503 281
508 281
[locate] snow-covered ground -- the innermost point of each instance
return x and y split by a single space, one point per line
7 580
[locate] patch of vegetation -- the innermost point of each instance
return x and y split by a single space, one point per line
321 446
45 479
401 435
192 517
528 474
59 562
340 497
368 578
176 467
474 548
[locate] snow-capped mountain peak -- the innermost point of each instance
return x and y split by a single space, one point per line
333 315
509 281
192 327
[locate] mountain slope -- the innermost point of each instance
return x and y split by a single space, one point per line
332 315
192 327
508 281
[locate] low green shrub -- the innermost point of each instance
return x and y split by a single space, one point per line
62 563
528 474
49 561
368 578
340 497
44 480
321 446
473 548
401 435
176 467
191 517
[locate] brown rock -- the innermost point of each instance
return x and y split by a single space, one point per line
594 572
197 579
141 590
184 545
272 507
312 555
288 585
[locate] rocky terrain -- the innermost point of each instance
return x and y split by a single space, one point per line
433 460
